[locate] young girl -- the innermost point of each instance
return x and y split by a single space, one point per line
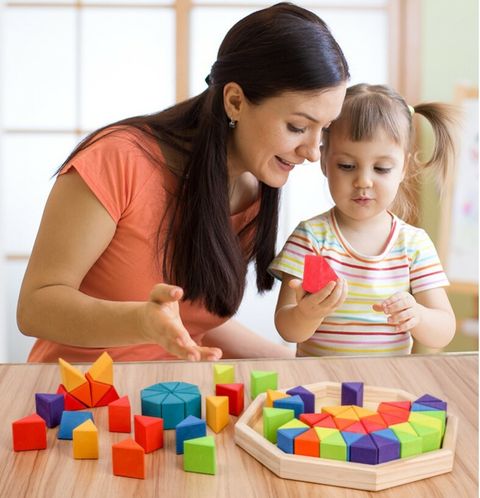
390 284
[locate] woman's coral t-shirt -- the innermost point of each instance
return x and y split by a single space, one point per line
135 187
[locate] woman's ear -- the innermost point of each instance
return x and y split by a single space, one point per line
233 100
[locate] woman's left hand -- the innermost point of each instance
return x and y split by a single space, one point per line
403 311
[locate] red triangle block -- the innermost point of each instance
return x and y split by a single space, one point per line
343 423
97 389
373 423
405 405
29 433
326 422
71 403
312 418
391 419
110 396
316 273
357 427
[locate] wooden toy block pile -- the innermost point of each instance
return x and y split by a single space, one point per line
350 432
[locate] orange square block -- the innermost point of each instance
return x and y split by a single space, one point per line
128 459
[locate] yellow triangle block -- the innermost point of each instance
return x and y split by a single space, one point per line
363 412
85 441
350 414
273 395
71 376
323 432
102 369
217 412
335 410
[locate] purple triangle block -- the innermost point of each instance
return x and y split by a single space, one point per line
364 450
307 396
435 405
352 393
50 407
388 449
428 398
350 438
386 433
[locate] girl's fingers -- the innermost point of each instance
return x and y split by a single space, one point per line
401 317
327 292
406 326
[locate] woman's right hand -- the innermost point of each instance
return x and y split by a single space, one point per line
162 325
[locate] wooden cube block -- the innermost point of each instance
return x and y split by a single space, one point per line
85 441
200 455
190 428
148 432
217 412
316 273
128 459
29 433
223 374
119 415
69 421
235 393
50 407
260 381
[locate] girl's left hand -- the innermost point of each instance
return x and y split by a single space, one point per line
403 311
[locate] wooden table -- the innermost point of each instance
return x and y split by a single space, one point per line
54 473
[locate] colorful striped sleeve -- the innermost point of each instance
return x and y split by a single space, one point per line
426 271
302 241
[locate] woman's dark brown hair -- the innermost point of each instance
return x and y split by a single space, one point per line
277 49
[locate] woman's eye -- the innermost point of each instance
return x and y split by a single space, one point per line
294 129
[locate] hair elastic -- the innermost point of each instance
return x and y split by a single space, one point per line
411 109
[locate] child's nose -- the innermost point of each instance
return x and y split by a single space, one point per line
363 180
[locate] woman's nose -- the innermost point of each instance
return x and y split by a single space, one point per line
311 150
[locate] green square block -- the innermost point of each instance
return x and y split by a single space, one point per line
261 381
333 447
410 444
431 436
223 374
199 455
273 419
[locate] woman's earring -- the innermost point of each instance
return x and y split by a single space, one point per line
232 123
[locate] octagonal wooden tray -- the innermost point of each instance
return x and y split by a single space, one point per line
249 435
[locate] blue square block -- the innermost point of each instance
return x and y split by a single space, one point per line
69 421
189 428
294 403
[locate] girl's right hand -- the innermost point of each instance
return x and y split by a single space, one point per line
324 302
162 325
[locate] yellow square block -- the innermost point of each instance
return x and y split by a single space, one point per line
223 374
272 395
217 412
85 441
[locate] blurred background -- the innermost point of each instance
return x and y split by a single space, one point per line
68 67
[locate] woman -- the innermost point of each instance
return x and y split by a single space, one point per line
146 237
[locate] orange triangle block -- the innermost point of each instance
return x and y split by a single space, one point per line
335 410
102 369
357 427
71 376
326 422
405 405
71 403
82 393
97 389
111 395
312 418
391 419
343 423
307 444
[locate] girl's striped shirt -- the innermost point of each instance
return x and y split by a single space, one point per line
409 263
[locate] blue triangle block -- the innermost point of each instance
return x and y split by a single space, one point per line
386 433
364 450
286 437
69 421
350 438
189 428
418 407
294 403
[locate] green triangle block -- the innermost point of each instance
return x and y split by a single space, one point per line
200 455
403 427
323 432
425 420
273 419
410 444
295 424
260 381
431 436
333 446
223 374
438 414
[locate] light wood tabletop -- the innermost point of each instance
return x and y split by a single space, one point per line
54 473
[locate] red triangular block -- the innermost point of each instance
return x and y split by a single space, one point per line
71 403
110 396
97 389
316 273
82 393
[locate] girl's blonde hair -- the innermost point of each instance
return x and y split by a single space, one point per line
368 107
